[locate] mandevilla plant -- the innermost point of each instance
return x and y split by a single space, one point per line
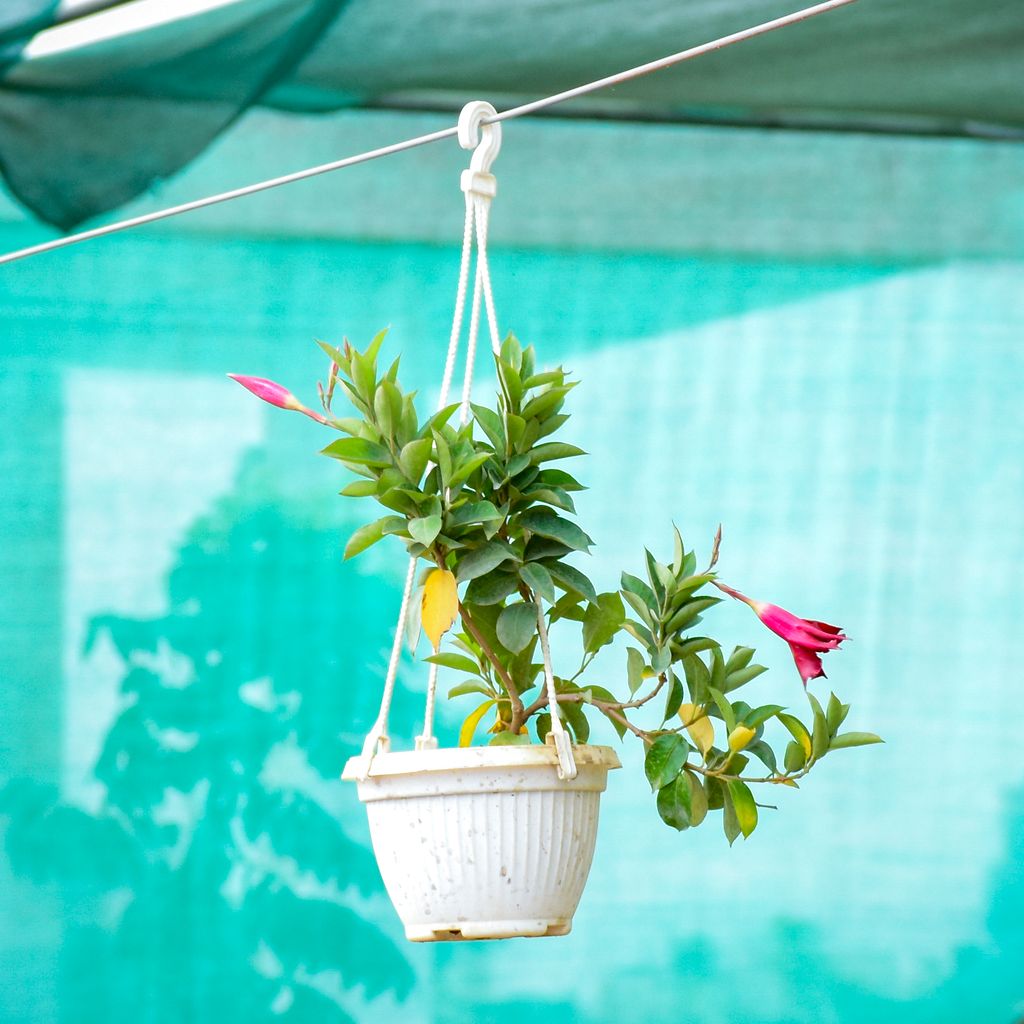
483 506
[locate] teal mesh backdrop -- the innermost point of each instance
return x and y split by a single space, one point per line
185 662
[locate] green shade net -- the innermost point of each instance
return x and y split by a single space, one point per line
109 120
85 129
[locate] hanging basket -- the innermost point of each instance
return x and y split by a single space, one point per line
483 842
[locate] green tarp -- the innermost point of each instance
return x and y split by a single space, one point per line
85 126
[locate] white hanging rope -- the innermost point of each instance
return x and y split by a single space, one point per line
421 140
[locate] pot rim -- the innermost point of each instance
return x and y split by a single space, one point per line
447 759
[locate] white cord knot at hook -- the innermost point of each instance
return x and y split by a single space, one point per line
485 141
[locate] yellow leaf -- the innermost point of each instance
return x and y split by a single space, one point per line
472 721
440 605
699 726
779 780
740 737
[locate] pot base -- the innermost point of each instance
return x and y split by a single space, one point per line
472 931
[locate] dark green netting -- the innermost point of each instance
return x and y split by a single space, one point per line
85 129
108 121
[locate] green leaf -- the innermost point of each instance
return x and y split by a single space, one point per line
491 588
635 665
689 612
835 714
854 739
796 756
576 719
675 802
374 347
469 686
535 576
740 658
413 459
554 450
360 489
633 585
570 578
483 559
425 529
698 799
443 457
466 469
819 735
665 759
758 716
516 626
358 450
698 679
765 754
512 352
553 496
728 715
369 534
743 805
508 739
473 512
602 621
600 693
449 659
547 523
734 680
798 731
730 824
674 696
491 424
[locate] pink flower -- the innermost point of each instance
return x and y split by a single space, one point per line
275 394
808 639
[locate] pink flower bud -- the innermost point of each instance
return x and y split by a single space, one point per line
275 394
808 639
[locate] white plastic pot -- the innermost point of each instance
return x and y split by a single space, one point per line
483 842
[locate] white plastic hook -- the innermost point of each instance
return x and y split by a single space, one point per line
485 141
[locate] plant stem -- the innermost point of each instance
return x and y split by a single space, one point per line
518 712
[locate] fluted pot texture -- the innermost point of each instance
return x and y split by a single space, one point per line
483 842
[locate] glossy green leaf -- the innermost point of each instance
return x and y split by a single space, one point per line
665 759
764 754
675 802
743 805
469 686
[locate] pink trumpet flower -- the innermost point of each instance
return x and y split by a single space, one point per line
808 639
275 394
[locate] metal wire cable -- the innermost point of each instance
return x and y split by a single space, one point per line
421 140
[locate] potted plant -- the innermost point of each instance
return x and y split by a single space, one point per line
496 839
